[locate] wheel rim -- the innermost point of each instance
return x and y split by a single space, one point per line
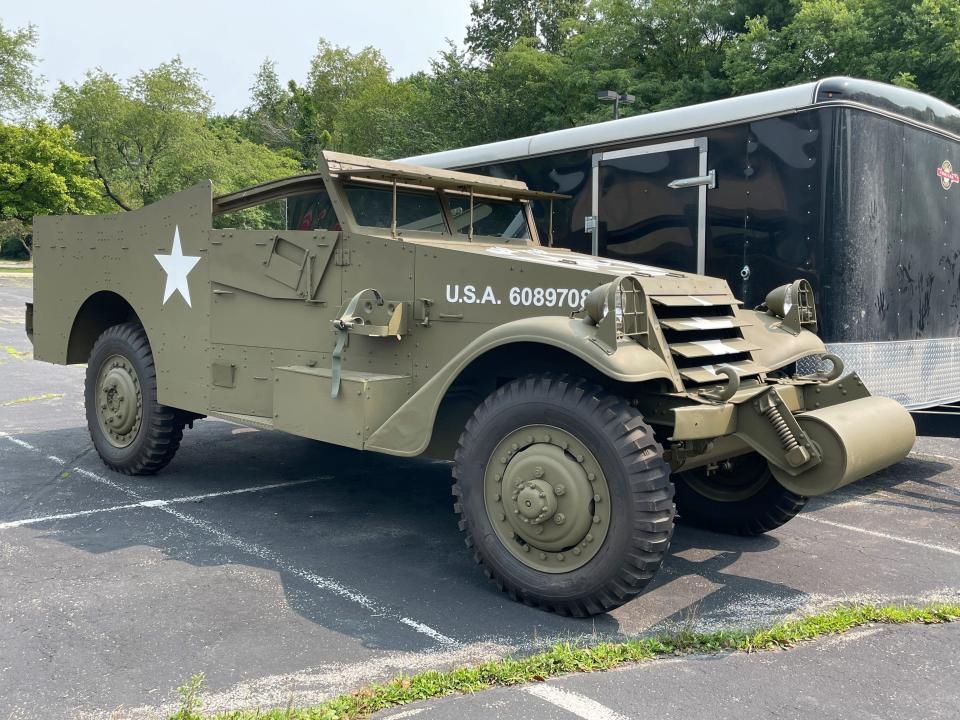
547 498
119 401
736 479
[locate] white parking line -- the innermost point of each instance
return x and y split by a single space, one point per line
404 714
931 456
876 533
259 551
152 503
579 705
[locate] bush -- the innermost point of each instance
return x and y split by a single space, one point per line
12 249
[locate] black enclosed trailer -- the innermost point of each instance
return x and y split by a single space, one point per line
847 183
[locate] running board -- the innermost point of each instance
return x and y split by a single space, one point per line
256 421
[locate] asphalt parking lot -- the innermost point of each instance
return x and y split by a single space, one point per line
286 569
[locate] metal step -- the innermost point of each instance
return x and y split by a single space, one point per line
257 421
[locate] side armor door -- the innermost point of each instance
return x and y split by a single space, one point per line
274 295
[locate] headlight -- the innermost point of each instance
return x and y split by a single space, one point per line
596 305
794 305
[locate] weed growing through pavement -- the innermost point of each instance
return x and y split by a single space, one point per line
566 657
190 701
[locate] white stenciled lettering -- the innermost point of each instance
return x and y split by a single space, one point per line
541 297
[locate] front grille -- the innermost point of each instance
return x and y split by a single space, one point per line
703 332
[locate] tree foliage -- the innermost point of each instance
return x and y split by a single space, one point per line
152 135
42 173
19 86
496 25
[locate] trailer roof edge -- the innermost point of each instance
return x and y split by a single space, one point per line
684 119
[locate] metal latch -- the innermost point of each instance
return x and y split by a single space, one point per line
710 180
590 223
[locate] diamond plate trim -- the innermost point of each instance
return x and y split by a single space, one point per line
915 373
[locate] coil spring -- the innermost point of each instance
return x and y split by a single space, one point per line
787 439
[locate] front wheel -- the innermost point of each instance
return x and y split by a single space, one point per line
739 497
563 494
131 431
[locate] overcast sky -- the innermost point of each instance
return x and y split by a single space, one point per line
227 41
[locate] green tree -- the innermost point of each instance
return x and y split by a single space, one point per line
42 173
496 25
19 86
153 135
909 42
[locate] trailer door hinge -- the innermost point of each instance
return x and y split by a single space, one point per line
342 257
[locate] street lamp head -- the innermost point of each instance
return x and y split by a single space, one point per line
607 95
627 99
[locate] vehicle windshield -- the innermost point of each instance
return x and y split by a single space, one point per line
492 218
373 207
311 211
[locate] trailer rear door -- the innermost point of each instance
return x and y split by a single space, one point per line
650 204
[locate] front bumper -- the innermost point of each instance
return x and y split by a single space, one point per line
817 436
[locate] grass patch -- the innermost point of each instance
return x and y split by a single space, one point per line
32 398
565 658
18 354
16 270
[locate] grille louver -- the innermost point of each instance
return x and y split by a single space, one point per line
703 332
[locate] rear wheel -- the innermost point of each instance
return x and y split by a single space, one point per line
739 497
131 431
563 494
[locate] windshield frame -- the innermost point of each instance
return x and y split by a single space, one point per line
443 196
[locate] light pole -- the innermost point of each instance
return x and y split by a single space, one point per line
617 99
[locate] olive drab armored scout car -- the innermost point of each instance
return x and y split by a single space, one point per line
409 310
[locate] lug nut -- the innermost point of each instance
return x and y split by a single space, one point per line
576 551
538 472
559 518
559 490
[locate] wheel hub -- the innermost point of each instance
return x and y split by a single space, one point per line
547 498
119 401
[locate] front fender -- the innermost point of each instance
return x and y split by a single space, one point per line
407 432
778 345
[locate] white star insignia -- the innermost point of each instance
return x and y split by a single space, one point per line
177 266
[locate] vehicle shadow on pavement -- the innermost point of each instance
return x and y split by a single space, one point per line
355 525
908 485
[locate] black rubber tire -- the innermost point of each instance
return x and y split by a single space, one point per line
768 508
161 428
641 494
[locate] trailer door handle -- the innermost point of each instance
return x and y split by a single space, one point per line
710 180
